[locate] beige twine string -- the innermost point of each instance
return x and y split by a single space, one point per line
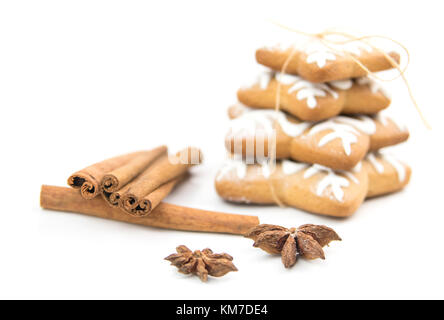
322 37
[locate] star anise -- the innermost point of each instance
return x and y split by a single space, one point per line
306 241
201 263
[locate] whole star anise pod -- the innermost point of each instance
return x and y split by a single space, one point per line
306 241
201 263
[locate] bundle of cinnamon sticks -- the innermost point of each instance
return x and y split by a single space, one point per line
131 188
135 182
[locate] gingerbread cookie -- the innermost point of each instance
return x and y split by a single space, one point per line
315 101
313 188
338 143
317 62
386 174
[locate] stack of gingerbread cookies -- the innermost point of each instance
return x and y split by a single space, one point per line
326 134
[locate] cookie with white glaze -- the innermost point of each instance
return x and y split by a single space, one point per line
388 132
338 143
315 101
317 62
312 188
386 174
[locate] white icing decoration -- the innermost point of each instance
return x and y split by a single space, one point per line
321 58
341 84
266 169
374 86
384 121
351 176
306 89
345 132
362 123
233 165
264 79
332 180
379 167
400 125
287 79
344 129
358 167
399 167
290 167
355 47
319 54
250 122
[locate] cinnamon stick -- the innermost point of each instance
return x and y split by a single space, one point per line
165 169
119 177
149 202
165 215
88 179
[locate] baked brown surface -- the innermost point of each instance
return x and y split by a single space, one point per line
312 188
323 64
306 146
314 102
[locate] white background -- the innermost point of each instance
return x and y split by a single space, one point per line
84 80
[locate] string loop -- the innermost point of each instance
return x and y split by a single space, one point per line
323 37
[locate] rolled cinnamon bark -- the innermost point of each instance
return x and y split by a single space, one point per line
165 169
113 199
88 179
119 177
149 202
167 216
